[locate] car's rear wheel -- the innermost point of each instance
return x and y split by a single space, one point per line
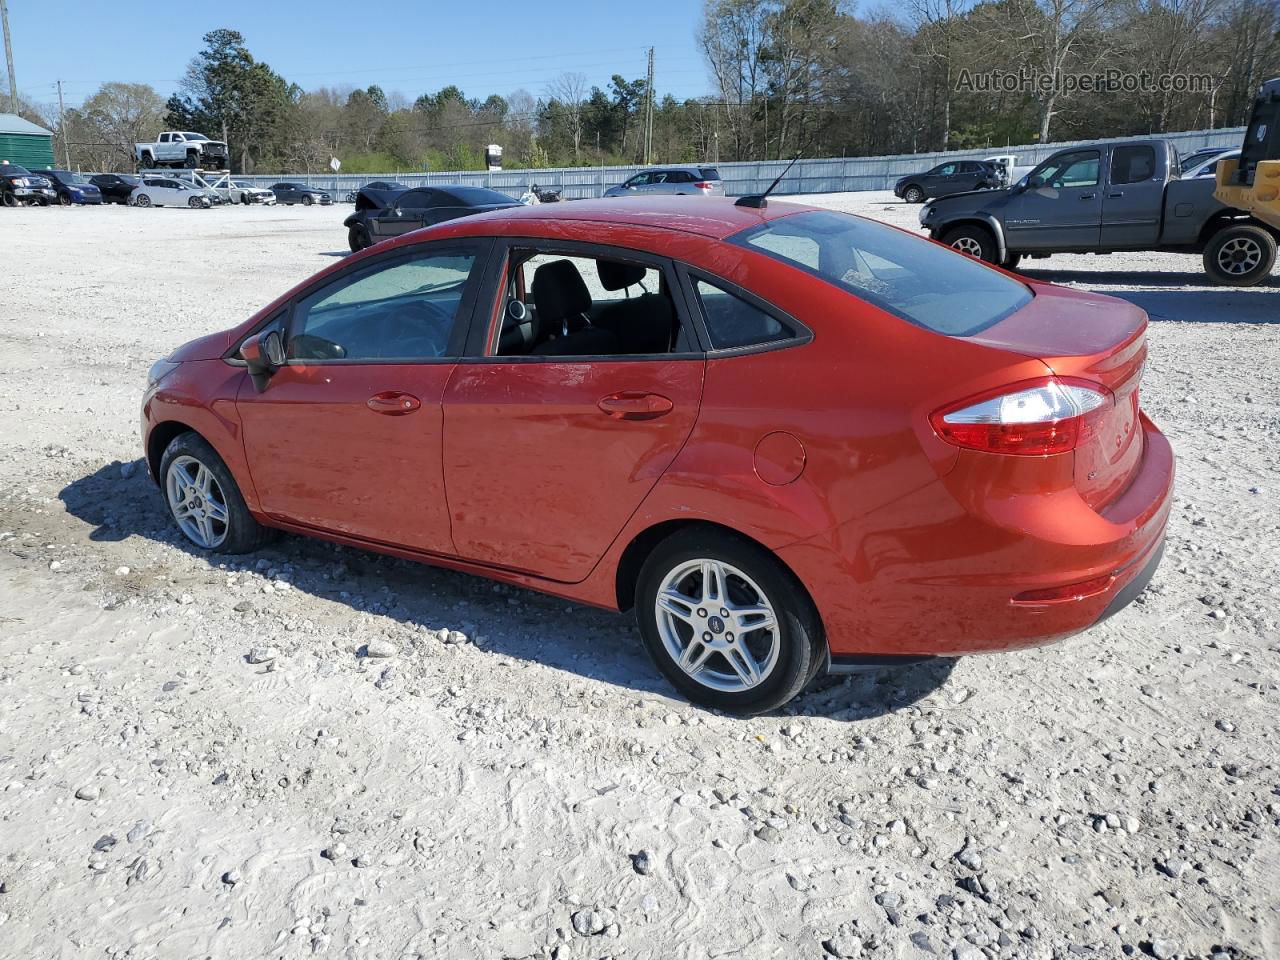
913 194
204 500
726 623
1240 256
976 241
358 239
142 200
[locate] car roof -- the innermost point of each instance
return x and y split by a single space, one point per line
714 217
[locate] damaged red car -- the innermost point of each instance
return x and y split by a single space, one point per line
791 440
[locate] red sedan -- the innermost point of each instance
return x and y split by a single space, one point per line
792 440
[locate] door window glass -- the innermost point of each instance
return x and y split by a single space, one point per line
1132 164
404 310
946 170
1078 169
733 322
569 305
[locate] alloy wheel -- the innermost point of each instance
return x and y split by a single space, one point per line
197 502
718 625
968 245
1239 256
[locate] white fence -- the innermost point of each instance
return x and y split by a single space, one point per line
808 176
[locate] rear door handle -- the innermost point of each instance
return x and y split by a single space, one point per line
635 405
393 403
1115 195
1087 196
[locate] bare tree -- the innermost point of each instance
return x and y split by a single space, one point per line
733 37
570 90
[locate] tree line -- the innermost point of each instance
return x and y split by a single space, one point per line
787 77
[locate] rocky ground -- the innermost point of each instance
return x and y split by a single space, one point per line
320 752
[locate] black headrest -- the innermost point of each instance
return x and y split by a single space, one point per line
559 292
618 276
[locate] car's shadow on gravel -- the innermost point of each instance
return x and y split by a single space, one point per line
119 501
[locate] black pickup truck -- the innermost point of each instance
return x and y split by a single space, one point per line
1107 198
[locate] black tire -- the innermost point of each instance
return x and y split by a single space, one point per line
142 200
148 162
240 533
306 200
195 203
799 637
191 162
913 194
973 240
1011 261
358 238
1240 256
64 199
10 200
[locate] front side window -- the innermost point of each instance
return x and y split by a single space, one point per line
907 276
946 170
733 322
1078 169
404 311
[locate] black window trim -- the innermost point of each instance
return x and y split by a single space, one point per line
482 247
1155 164
801 334
483 333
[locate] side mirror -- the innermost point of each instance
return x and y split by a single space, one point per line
1035 183
263 353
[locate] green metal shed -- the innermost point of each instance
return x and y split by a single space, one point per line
24 143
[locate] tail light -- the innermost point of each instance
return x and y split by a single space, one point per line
1035 418
703 185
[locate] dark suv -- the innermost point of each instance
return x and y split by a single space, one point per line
292 192
954 176
19 185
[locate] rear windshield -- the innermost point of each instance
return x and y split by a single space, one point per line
476 196
709 173
910 277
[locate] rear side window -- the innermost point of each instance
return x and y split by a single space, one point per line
733 322
1132 164
909 277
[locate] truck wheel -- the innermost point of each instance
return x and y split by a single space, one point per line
1240 256
913 194
1011 261
976 241
146 162
10 200
191 162
358 238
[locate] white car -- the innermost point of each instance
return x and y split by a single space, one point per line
167 192
241 191
1209 167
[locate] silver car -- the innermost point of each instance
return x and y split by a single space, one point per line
687 181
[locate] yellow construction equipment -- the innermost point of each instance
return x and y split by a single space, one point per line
1252 183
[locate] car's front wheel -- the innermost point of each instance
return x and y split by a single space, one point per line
726 623
142 200
1240 256
976 241
913 194
204 501
306 200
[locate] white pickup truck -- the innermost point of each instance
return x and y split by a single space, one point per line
175 148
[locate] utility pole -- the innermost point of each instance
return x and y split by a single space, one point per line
62 126
8 56
648 112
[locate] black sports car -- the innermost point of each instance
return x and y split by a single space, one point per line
388 214
115 187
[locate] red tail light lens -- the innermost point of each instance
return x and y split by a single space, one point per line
1035 418
703 185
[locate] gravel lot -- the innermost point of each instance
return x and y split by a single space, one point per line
320 752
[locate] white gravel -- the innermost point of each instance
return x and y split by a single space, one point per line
287 755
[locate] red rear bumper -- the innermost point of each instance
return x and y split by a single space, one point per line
936 573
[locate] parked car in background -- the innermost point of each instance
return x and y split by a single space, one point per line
200 185
115 187
18 186
953 176
175 148
168 192
72 187
687 181
1209 166
1107 198
243 192
420 207
679 442
291 192
1198 157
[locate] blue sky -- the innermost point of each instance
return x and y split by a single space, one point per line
410 47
